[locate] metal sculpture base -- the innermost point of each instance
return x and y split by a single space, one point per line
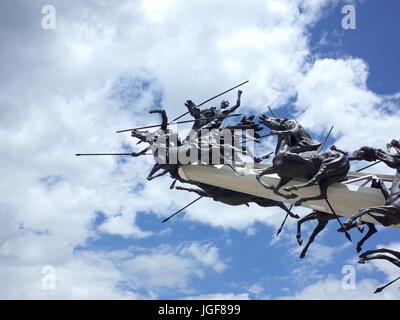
344 197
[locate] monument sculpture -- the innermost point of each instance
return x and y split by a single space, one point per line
297 156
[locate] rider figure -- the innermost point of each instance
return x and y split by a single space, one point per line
297 138
200 115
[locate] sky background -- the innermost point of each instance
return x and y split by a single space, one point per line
97 220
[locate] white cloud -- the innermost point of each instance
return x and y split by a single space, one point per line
334 92
319 254
331 289
86 276
256 289
162 270
205 254
174 268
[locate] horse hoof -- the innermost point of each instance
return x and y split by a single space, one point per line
292 196
358 249
302 255
299 241
361 261
347 224
297 203
288 189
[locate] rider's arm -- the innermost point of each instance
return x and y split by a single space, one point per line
235 106
392 161
193 109
164 123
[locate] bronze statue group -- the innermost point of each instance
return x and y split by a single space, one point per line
296 155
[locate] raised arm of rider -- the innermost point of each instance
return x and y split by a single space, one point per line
237 105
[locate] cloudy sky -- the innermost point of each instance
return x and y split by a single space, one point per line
93 225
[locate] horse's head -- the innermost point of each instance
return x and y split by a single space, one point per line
146 136
364 153
273 123
141 135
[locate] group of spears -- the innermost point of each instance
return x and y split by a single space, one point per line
296 155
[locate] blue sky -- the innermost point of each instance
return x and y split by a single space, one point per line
98 221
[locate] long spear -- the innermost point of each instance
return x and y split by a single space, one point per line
180 210
184 114
178 122
370 165
326 139
386 285
284 220
108 154
337 218
270 110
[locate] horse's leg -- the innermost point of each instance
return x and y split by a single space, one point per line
383 210
322 222
350 222
323 187
290 213
283 181
198 191
158 175
223 159
155 168
364 257
308 217
269 170
381 250
379 184
333 169
313 181
371 230
173 184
